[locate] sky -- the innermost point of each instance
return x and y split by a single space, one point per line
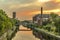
26 9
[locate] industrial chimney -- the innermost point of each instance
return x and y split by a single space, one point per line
41 21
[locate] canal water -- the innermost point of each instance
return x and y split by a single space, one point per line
24 34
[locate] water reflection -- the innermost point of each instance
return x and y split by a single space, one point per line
24 35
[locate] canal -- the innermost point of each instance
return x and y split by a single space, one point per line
24 34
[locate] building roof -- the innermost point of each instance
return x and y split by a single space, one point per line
44 16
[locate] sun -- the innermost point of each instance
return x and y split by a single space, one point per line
43 0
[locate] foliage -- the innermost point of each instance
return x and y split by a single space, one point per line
53 15
56 19
6 23
57 24
52 24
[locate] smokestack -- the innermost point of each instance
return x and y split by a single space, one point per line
41 11
41 16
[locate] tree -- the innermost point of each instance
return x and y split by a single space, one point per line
56 21
57 24
5 22
53 15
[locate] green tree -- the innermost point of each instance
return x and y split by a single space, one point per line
57 24
53 15
5 22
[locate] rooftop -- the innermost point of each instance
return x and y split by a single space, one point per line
44 16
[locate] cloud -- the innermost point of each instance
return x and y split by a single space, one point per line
35 6
16 1
27 1
18 6
51 5
57 0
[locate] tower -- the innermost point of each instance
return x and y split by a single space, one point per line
41 12
14 15
41 19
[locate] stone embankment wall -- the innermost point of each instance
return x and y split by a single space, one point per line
44 35
9 34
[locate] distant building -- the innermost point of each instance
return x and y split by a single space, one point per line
37 18
14 15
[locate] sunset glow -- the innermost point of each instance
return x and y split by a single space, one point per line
43 0
25 9
57 0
